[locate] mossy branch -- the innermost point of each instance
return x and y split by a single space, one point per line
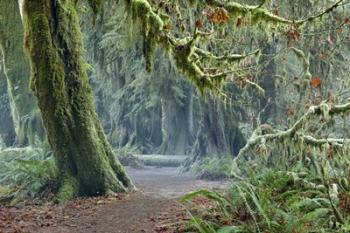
259 14
229 58
184 52
187 56
323 109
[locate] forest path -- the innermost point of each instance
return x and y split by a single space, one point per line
147 211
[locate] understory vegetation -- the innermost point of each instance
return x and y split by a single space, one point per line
307 195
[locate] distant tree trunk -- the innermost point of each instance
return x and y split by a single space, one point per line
85 159
218 132
267 82
175 128
25 114
7 130
176 110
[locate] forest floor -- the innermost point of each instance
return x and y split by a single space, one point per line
154 208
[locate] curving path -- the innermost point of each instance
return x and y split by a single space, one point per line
155 205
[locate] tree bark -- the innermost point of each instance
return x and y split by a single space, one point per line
7 130
85 159
218 132
26 117
267 82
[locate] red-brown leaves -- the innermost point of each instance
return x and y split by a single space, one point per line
218 16
316 82
199 24
292 35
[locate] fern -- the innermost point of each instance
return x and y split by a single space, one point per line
26 172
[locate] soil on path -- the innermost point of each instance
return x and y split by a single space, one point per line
152 209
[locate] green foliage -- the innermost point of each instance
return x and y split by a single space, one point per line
274 201
25 173
213 167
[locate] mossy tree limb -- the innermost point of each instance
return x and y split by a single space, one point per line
25 115
85 160
263 135
259 14
184 49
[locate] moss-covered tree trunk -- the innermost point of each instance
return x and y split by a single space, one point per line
175 128
7 130
218 132
85 160
25 114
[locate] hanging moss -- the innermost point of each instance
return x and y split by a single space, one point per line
305 61
151 27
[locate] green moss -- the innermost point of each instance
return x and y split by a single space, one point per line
151 26
65 98
68 189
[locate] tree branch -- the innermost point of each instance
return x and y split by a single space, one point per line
323 109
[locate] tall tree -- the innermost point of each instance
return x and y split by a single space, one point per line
25 114
85 159
7 130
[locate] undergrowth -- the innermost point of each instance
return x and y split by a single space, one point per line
213 168
301 197
25 174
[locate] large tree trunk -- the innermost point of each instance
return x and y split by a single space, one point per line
25 114
218 132
176 109
175 128
85 159
7 130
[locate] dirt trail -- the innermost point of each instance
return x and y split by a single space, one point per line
145 211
